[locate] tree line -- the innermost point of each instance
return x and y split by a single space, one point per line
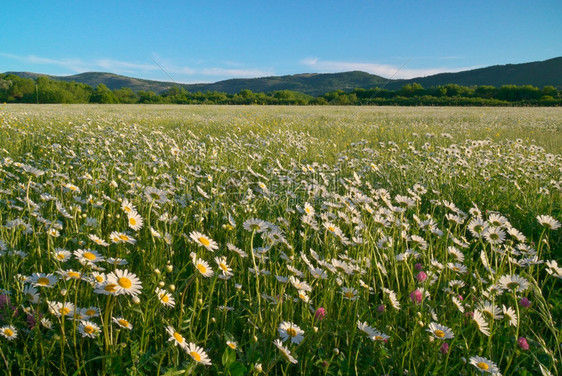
15 89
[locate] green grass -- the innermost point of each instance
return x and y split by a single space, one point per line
389 192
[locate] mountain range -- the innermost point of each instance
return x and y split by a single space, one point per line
538 74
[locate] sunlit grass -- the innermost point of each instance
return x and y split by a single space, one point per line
286 240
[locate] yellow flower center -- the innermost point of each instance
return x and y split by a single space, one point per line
202 268
127 209
110 287
89 329
483 366
164 298
64 311
178 337
195 356
123 322
378 338
204 241
60 256
292 332
99 278
439 333
43 281
123 237
125 282
331 229
90 312
132 221
74 275
89 255
232 345
223 267
9 332
349 294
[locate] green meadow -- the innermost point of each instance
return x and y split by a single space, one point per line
246 240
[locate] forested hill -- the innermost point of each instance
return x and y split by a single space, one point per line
538 74
312 84
112 81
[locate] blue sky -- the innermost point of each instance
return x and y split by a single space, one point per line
208 41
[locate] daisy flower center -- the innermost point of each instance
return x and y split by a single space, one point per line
331 229
223 267
513 285
292 332
60 256
90 312
439 333
195 356
43 281
99 278
349 294
64 311
123 322
110 287
202 268
132 221
124 237
164 298
125 282
89 329
89 256
483 366
178 337
8 332
204 241
73 275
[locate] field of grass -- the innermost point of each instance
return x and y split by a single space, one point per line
171 240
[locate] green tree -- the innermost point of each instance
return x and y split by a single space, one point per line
102 94
411 90
125 95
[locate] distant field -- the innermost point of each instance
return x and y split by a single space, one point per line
151 240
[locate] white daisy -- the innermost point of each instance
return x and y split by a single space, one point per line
204 241
288 330
440 331
198 354
484 365
285 351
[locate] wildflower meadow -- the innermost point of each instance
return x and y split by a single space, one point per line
208 240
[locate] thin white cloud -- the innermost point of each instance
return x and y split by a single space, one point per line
74 65
236 72
124 66
140 69
384 70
